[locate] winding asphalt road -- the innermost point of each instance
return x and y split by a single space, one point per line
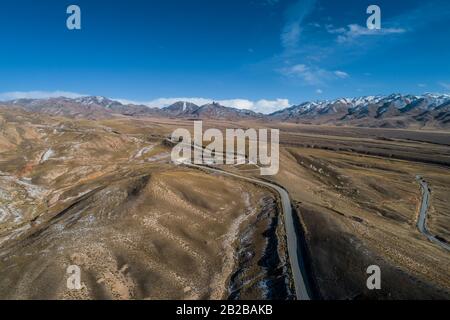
422 221
298 270
301 290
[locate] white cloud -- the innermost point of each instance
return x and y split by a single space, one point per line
422 85
354 31
319 91
269 106
263 105
127 101
14 95
341 74
238 103
312 75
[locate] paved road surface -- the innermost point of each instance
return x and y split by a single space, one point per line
301 290
422 221
298 270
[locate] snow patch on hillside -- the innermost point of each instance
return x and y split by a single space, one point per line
47 155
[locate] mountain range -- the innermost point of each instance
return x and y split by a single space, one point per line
391 111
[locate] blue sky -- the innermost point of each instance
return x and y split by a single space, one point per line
262 55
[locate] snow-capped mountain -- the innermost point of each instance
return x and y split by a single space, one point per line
209 111
181 108
396 110
84 107
392 111
96 100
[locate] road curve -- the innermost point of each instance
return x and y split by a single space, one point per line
422 221
301 290
298 270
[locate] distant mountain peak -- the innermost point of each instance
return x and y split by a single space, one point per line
394 110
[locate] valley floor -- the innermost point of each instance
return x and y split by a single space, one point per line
103 195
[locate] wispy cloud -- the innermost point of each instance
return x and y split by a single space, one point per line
341 74
354 31
312 75
331 29
296 14
291 35
309 75
14 95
